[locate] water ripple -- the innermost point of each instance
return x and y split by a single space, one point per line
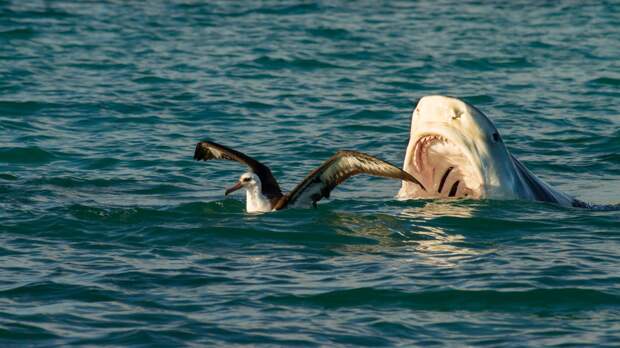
111 235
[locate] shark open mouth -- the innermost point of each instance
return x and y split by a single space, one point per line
456 151
443 168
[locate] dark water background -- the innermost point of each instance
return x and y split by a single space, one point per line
110 235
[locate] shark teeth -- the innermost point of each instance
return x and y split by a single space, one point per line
421 147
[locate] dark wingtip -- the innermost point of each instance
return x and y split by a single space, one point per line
199 152
411 178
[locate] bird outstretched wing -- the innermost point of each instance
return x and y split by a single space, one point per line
208 150
344 164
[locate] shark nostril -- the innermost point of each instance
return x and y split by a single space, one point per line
496 137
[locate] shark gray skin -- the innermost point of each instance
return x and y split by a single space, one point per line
456 151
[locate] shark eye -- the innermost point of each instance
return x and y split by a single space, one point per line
496 137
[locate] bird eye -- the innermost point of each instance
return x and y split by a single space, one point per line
496 137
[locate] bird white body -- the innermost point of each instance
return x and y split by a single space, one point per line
255 201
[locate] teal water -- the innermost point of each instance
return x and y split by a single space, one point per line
111 235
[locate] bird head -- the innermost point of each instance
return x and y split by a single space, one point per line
247 181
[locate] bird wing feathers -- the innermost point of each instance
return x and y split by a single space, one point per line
208 150
344 164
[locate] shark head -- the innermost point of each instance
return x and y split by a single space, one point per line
456 151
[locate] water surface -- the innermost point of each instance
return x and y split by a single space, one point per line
110 235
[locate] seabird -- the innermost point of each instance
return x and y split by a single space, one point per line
263 193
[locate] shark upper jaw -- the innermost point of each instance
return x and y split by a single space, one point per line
444 166
455 151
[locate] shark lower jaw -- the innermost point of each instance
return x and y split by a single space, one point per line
443 167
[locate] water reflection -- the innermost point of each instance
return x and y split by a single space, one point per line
414 232
432 244
439 208
380 228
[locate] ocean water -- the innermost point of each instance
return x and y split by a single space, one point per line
111 235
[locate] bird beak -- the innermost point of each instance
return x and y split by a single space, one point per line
237 186
410 178
421 186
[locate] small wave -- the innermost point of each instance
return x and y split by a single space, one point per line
21 107
127 109
113 215
307 237
47 13
196 211
152 80
183 96
370 114
102 65
409 86
24 155
353 55
607 81
49 290
24 333
159 189
68 182
4 251
264 9
8 177
484 64
253 105
331 33
188 278
541 44
296 63
20 34
610 157
289 10
479 99
135 337
370 128
101 163
208 208
451 300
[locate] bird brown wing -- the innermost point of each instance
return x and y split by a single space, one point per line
344 164
208 150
